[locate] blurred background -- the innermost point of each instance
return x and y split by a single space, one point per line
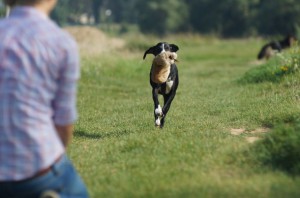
225 18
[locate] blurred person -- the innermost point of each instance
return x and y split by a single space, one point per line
39 70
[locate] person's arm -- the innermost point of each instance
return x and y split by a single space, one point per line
64 103
65 133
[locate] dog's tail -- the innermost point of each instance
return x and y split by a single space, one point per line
269 50
263 52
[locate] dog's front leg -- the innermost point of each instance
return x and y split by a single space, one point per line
167 103
157 108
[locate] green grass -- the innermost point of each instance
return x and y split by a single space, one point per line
281 148
120 153
275 69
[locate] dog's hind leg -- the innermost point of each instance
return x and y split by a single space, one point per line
158 113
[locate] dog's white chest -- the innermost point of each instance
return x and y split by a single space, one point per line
169 85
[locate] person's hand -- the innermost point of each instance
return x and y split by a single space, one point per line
65 133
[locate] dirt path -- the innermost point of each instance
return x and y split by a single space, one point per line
92 41
253 134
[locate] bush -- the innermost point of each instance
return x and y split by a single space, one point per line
275 69
280 149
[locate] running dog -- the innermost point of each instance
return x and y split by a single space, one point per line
163 78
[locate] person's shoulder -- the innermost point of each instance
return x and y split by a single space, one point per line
9 30
63 36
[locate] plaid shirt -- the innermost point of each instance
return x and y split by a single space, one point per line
39 69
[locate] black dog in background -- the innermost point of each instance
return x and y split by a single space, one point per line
167 88
272 47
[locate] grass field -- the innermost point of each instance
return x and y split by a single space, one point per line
204 149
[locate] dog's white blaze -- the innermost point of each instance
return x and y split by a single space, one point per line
157 122
158 111
169 86
163 48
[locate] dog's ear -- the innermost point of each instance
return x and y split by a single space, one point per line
174 48
149 51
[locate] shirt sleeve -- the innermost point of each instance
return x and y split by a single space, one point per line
64 104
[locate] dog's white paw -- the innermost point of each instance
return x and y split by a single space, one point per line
158 111
157 122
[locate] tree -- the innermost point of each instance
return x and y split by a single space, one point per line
161 17
96 4
69 11
278 17
228 18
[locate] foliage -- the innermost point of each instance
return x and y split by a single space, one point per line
275 69
280 149
285 13
229 18
2 13
226 18
2 10
161 17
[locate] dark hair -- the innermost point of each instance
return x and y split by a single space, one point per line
10 2
14 2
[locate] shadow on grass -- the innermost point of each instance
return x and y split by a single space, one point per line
99 135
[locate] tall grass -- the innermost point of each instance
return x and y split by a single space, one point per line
275 69
281 148
120 153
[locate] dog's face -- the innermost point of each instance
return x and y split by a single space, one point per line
161 47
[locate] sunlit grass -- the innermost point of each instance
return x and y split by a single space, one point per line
281 65
120 153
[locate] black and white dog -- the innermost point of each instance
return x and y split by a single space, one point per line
273 47
167 88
